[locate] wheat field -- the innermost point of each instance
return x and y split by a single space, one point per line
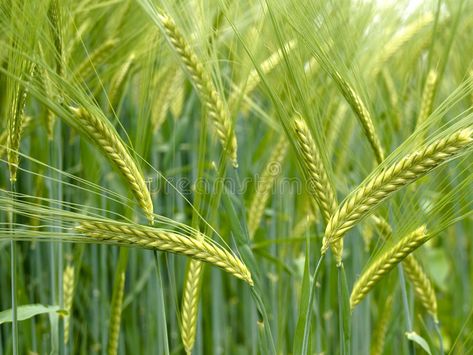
236 177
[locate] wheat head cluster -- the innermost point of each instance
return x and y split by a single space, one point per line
221 177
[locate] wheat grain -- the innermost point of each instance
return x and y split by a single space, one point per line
115 316
151 238
391 179
212 100
385 262
68 293
108 140
320 188
264 185
364 116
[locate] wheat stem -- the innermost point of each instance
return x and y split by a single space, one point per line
381 186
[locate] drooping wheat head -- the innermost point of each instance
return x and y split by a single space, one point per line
385 262
202 81
109 141
151 238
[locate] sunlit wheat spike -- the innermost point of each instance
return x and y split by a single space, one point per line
422 286
90 63
396 43
427 98
364 116
16 125
68 293
319 186
202 81
105 136
265 184
385 262
382 185
382 324
118 82
116 315
54 14
151 238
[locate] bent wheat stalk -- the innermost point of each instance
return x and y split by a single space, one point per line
151 238
320 188
381 186
385 262
109 141
202 81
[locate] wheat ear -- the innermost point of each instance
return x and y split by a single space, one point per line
25 122
118 82
190 303
88 65
68 293
395 44
109 141
385 262
151 238
364 116
422 286
15 127
427 99
54 14
265 184
391 179
215 105
379 335
164 97
319 186
265 67
115 316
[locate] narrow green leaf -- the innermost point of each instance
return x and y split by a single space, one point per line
28 311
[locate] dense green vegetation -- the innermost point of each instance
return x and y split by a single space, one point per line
236 177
